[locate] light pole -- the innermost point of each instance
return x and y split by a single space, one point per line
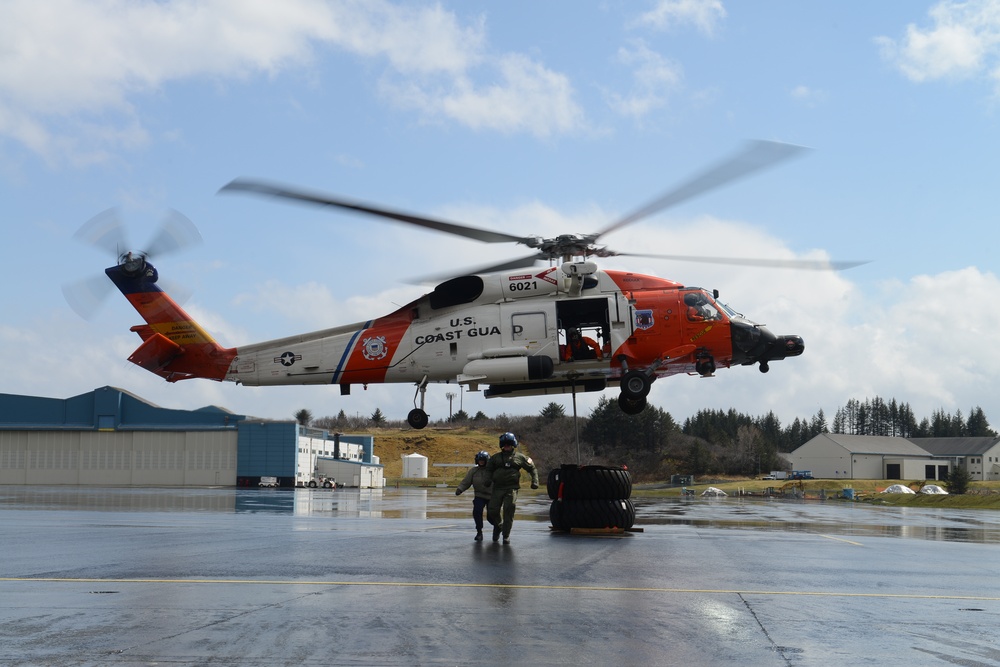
451 396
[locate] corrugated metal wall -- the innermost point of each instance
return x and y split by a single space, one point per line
119 458
268 448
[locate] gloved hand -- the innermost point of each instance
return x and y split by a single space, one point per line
534 485
458 492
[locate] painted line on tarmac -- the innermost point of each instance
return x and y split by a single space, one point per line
840 539
548 587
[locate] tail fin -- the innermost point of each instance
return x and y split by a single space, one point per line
174 346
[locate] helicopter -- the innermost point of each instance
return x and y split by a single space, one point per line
509 329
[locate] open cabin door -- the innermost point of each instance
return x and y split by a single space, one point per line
589 316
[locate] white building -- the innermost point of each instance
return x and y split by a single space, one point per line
348 459
839 456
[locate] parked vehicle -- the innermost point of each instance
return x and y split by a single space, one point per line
320 481
269 482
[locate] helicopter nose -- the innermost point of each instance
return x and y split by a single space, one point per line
753 343
787 346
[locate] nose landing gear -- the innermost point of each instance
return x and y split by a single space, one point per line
635 387
631 406
417 418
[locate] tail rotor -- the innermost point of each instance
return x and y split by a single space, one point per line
106 232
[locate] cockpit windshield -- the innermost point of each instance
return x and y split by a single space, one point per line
728 310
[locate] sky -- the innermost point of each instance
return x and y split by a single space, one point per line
524 117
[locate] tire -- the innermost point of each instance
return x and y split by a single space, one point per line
571 482
631 406
635 385
417 418
593 514
552 483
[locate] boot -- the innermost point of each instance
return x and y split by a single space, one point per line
496 533
479 536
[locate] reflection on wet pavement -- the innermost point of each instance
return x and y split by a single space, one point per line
833 517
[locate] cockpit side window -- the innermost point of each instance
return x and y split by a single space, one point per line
700 307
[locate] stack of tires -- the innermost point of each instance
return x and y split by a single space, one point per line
590 497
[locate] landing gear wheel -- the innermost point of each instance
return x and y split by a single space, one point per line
635 385
417 418
764 367
631 406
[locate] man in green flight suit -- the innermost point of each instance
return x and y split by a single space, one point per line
503 472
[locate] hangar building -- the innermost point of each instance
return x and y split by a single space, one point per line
109 437
834 455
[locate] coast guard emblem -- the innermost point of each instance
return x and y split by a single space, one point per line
374 348
644 319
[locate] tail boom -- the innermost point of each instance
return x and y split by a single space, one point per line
174 346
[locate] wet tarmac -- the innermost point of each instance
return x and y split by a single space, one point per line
393 577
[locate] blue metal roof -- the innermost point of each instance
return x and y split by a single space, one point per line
106 408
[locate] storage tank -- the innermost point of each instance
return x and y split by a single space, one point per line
414 465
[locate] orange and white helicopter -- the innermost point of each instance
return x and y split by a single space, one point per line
511 328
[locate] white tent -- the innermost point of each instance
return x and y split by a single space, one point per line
712 491
934 489
898 488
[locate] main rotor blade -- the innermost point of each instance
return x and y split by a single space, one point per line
808 264
518 263
756 156
259 187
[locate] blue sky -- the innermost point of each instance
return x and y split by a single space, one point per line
531 118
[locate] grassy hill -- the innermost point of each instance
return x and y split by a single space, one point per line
440 445
448 445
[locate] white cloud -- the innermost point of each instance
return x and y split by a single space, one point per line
810 97
654 78
703 14
525 97
72 72
963 41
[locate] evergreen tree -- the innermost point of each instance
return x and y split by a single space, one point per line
608 428
817 425
552 411
839 422
698 460
977 425
304 417
958 480
377 418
